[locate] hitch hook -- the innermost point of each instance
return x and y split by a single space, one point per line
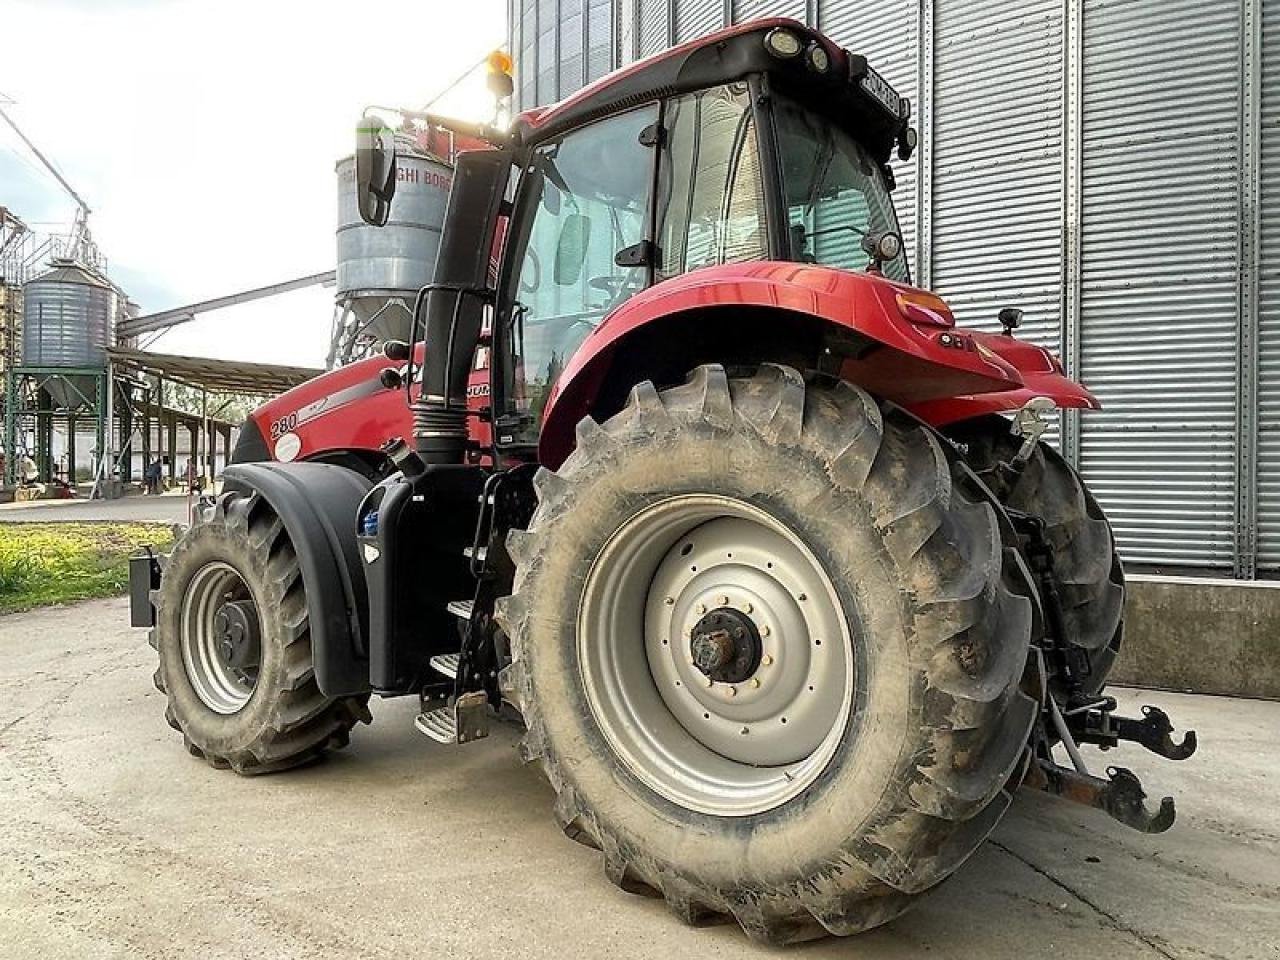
1154 731
1120 796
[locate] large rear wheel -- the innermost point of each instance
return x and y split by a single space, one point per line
235 646
768 641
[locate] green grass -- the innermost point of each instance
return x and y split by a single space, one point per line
44 563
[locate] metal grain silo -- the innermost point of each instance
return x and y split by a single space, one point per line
380 269
68 320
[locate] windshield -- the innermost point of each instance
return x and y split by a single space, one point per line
835 193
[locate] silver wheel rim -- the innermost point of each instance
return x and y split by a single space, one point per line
220 687
726 748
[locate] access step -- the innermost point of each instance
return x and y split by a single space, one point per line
438 724
460 609
466 720
473 553
446 663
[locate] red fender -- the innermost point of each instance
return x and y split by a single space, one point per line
1042 375
918 360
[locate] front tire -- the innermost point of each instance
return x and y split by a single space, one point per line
234 643
871 551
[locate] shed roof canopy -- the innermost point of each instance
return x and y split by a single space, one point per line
215 376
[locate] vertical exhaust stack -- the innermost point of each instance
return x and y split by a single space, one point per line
455 303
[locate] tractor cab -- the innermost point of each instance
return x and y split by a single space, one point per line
765 143
721 175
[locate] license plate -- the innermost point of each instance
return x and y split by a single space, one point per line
878 87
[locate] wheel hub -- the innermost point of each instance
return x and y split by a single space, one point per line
725 646
235 627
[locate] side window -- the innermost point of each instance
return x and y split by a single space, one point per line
835 193
583 200
711 206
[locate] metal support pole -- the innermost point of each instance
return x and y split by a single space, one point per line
102 435
193 431
208 446
924 155
107 413
173 449
44 434
71 448
126 434
1072 133
1248 245
10 428
146 434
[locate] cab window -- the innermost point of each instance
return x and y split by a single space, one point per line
585 198
835 192
711 207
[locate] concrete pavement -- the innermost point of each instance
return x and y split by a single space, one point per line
115 843
167 508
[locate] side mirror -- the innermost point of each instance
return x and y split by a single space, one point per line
571 249
375 170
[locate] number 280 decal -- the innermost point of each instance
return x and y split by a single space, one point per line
283 425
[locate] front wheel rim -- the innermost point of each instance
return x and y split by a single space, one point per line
728 730
223 686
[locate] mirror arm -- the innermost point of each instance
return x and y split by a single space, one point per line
464 128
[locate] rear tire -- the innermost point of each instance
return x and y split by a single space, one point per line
260 716
935 624
1090 575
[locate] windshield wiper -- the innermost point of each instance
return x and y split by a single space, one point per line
843 226
826 155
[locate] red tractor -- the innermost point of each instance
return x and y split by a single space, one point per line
699 484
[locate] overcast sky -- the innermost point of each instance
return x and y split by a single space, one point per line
203 134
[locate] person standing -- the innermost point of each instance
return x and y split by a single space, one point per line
153 477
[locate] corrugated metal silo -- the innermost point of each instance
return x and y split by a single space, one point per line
68 320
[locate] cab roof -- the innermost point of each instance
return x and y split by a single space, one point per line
723 57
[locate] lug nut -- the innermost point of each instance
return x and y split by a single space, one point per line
710 682
747 608
733 691
669 601
700 608
765 631
755 682
724 601
766 660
